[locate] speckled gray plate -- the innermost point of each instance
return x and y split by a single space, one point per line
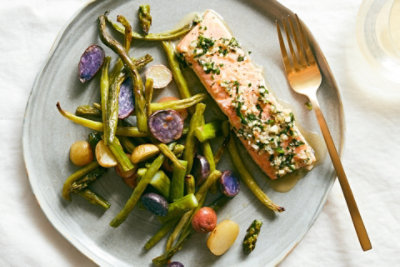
47 137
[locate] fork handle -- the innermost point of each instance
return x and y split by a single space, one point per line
344 183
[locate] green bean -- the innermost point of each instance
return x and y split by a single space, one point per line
179 79
140 102
208 154
178 150
163 231
148 95
94 198
127 31
178 181
98 126
170 155
190 184
163 36
139 63
161 182
190 145
164 258
127 144
85 181
178 104
87 110
207 131
247 178
139 189
104 93
76 176
180 206
144 18
112 110
123 160
186 218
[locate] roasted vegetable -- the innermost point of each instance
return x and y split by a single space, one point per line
190 144
90 63
207 131
145 18
121 157
178 181
161 182
160 75
201 169
166 125
179 206
87 110
139 189
94 198
93 139
155 203
113 108
104 155
204 220
249 242
80 153
222 237
144 152
66 191
190 184
175 264
104 93
229 184
86 180
179 105
126 99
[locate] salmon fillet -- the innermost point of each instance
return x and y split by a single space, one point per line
266 129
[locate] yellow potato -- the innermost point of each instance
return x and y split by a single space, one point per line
81 153
160 74
104 155
143 152
222 237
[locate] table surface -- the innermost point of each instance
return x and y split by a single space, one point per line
372 151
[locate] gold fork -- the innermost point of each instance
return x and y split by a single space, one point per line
305 78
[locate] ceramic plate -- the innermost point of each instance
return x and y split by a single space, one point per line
47 137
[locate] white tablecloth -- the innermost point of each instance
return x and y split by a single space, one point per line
27 31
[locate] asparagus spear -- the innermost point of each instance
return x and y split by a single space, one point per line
112 110
249 242
85 181
145 18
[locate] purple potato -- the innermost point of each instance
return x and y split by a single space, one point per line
90 63
175 264
201 169
229 184
126 99
155 203
166 125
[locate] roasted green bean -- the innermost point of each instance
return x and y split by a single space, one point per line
104 92
179 79
94 198
178 181
140 102
98 126
87 110
207 131
123 160
178 104
148 95
85 181
112 109
139 189
190 184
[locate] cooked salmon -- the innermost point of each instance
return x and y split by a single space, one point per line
267 130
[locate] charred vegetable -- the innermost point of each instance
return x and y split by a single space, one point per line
201 169
166 125
145 18
126 99
90 63
204 220
155 203
249 242
144 152
81 153
229 184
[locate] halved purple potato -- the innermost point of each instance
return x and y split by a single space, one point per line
90 63
201 169
155 203
166 125
229 184
126 99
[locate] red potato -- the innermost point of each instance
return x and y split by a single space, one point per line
204 220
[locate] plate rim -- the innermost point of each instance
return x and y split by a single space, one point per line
89 253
